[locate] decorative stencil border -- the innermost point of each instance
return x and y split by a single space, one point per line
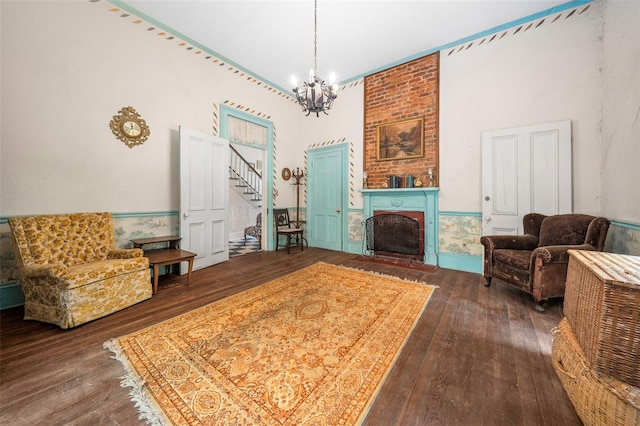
352 192
216 120
354 83
519 29
274 180
247 109
201 51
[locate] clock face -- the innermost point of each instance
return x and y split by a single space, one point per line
131 128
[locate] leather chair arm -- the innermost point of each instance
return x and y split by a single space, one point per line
514 242
45 270
124 253
558 254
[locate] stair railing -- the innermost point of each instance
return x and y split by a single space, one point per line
247 176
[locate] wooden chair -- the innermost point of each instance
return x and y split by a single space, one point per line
284 229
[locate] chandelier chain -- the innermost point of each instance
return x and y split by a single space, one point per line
315 95
315 37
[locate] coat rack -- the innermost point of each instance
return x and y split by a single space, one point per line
297 176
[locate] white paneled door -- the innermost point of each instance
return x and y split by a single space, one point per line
204 197
525 169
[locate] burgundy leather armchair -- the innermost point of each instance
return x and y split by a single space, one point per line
537 261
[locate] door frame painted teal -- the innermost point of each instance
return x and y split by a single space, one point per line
344 149
225 113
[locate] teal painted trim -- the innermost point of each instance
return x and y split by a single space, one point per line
432 257
354 248
168 29
226 112
633 226
145 214
460 262
499 28
465 214
11 295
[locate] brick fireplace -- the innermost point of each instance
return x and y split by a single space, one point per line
406 91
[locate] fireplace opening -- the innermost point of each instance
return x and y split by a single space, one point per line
397 235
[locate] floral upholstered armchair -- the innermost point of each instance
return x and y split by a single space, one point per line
255 231
70 270
537 261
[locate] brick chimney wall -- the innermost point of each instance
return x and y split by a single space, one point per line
409 90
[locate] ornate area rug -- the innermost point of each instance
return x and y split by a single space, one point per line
310 348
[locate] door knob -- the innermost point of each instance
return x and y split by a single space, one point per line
487 198
186 215
488 219
337 210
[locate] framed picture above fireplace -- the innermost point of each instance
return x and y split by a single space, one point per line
401 139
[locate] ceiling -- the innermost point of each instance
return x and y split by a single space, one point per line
274 40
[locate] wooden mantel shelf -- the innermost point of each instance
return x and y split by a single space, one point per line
400 190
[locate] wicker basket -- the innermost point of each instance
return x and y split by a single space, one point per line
598 400
602 304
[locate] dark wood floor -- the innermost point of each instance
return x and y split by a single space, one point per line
478 356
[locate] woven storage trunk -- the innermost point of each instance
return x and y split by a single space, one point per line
598 400
602 304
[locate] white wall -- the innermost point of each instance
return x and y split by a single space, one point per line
67 68
546 73
343 124
621 112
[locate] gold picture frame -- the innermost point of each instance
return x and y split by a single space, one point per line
400 140
286 173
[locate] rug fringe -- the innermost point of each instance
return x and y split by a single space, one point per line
383 275
147 409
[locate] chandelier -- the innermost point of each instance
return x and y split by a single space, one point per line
315 95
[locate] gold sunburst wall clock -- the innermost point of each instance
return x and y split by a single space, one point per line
129 127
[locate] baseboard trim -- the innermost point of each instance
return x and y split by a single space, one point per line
11 295
354 247
460 262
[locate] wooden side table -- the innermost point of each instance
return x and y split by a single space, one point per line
165 256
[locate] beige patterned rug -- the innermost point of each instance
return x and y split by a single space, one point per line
310 348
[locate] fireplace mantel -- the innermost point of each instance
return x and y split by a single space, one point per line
409 199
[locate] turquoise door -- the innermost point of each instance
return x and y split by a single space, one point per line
327 197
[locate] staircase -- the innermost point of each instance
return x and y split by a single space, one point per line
244 179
